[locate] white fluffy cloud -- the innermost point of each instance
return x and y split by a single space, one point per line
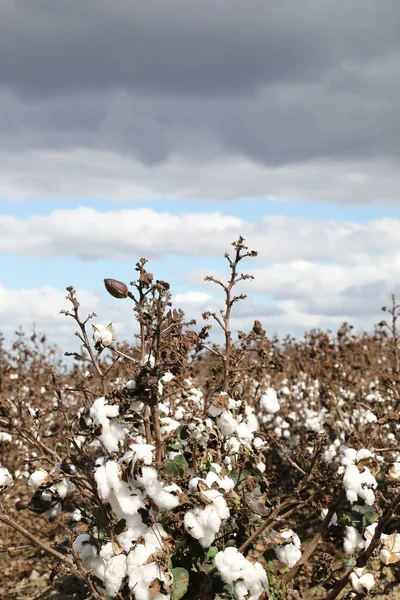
309 272
90 234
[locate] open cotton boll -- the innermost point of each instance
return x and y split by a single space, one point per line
124 499
155 489
64 487
361 582
290 553
142 452
103 336
168 425
204 523
38 478
141 573
269 401
167 377
6 479
112 432
359 485
394 471
88 553
250 579
352 540
227 423
115 572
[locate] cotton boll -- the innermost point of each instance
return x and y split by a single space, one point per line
141 572
290 553
168 425
204 523
112 432
269 401
363 454
227 423
394 471
38 478
115 573
64 487
352 540
250 579
6 479
167 377
361 582
103 336
351 482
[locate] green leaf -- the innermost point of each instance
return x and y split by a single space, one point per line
175 467
350 563
174 447
101 520
181 583
212 551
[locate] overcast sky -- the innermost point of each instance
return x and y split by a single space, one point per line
165 129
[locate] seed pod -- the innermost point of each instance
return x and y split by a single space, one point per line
116 288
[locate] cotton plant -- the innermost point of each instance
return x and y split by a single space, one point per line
184 455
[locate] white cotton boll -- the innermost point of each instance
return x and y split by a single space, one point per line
261 466
135 529
227 423
38 478
80 542
141 573
167 377
232 445
107 551
102 335
289 554
351 482
244 434
258 443
367 485
64 487
5 437
269 401
112 433
361 582
77 515
130 385
89 556
394 471
352 540
168 425
115 573
103 485
163 499
362 454
204 524
218 502
349 455
180 413
6 479
143 452
250 580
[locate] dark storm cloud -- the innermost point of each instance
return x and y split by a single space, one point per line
274 82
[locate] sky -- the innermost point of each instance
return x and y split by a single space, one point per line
165 129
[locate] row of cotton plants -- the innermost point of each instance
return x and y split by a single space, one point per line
188 469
